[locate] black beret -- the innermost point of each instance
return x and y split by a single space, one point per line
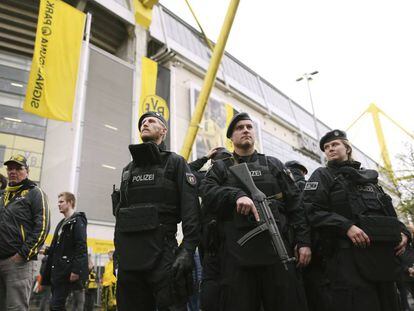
330 136
238 117
296 164
151 114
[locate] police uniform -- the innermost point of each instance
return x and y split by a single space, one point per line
157 192
252 276
337 197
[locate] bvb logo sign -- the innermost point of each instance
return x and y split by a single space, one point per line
156 104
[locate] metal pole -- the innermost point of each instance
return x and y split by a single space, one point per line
81 101
308 77
209 79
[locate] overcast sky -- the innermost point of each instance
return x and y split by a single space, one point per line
363 50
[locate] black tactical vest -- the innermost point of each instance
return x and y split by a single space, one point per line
369 207
352 200
148 216
259 250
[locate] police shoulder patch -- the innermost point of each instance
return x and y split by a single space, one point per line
191 179
311 185
125 175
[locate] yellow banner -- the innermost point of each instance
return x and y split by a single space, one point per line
52 82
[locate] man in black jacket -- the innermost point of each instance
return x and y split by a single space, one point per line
24 225
252 276
67 262
158 190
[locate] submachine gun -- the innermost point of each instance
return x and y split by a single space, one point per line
267 221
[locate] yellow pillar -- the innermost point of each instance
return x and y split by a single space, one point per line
375 111
209 79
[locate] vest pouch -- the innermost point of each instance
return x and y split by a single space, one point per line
139 217
371 199
258 251
381 228
339 201
378 262
139 237
244 221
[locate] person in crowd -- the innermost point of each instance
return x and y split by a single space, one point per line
158 190
3 183
67 262
252 276
109 285
360 235
91 286
198 164
299 172
194 301
24 225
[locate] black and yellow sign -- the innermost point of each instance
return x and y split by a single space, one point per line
155 90
52 83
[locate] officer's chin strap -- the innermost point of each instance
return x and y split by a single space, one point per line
145 154
360 176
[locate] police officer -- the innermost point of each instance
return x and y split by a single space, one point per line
252 276
299 172
360 234
157 192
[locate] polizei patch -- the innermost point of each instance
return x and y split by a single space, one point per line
311 185
144 178
255 173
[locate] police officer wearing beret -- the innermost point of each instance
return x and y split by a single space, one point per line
360 234
252 276
299 172
157 192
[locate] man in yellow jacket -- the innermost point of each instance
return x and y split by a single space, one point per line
109 285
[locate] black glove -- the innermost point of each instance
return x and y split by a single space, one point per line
116 197
183 263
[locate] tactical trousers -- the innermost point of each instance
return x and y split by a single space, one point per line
350 291
267 288
316 286
151 290
210 284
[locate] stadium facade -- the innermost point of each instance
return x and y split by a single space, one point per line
87 155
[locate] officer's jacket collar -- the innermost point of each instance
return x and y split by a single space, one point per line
247 159
353 171
338 164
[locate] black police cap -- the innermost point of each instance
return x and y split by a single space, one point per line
151 114
238 117
330 136
296 164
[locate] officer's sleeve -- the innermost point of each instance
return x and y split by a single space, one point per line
318 209
196 165
189 205
80 258
41 224
218 199
294 203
